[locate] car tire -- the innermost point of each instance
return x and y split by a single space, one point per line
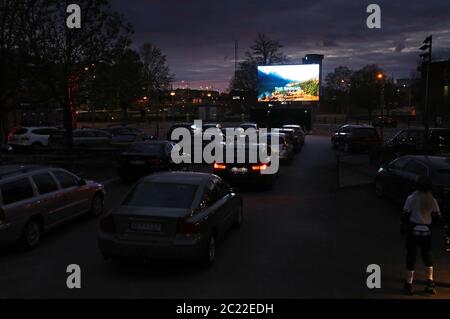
379 188
209 254
32 233
96 206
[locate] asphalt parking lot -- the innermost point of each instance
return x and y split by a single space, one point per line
304 239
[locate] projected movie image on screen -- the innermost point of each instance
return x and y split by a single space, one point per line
288 83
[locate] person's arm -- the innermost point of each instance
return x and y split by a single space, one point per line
436 214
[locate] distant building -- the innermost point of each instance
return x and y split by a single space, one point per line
439 99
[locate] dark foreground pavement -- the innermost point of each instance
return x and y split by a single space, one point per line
304 239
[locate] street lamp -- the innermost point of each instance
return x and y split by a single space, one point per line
380 77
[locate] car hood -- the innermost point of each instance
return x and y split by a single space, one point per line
151 212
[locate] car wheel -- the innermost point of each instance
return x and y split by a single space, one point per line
31 234
97 206
379 188
209 254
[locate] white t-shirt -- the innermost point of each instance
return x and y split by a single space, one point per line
417 217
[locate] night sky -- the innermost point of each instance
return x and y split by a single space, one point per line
198 35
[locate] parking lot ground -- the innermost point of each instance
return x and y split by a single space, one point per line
304 239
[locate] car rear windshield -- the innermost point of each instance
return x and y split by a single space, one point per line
365 132
147 148
20 131
161 195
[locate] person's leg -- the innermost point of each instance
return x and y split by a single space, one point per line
428 262
411 256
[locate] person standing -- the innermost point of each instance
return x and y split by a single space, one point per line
418 213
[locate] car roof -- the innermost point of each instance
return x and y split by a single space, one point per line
179 177
36 127
436 162
357 126
11 170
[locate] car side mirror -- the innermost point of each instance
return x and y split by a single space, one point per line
82 182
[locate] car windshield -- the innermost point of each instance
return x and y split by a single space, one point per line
148 148
162 195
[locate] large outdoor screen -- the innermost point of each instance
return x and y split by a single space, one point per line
288 83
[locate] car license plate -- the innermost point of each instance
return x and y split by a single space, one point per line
239 170
147 227
137 162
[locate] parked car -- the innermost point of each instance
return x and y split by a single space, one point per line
123 133
397 179
35 199
290 136
171 216
411 141
299 133
247 126
247 172
147 157
384 121
286 149
211 125
34 138
82 138
352 138
189 126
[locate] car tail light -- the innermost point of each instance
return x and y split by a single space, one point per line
10 135
262 167
2 216
107 224
186 228
220 166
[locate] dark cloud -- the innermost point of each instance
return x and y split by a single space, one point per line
198 36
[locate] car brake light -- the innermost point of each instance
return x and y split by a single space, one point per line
259 167
107 224
2 216
220 166
187 228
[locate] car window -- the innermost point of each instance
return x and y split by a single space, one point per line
43 131
402 136
221 189
20 131
45 183
162 195
416 168
18 190
416 137
399 163
65 179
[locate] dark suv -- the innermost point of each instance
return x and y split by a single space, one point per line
351 138
412 142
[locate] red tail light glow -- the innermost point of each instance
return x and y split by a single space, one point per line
259 167
220 166
187 228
